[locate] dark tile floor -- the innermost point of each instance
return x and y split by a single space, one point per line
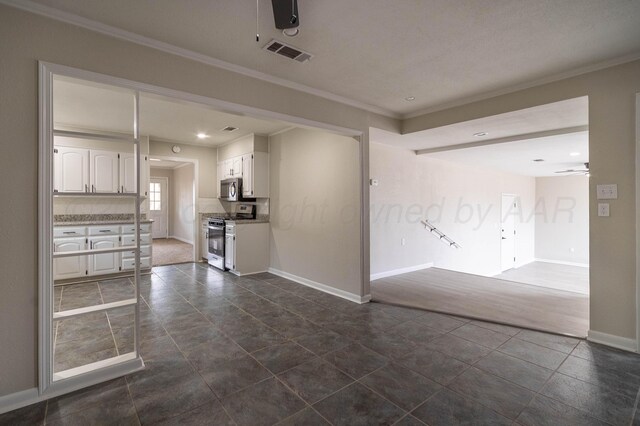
263 350
102 335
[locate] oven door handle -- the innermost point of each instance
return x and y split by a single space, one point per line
217 228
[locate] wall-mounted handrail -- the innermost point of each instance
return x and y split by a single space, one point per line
441 235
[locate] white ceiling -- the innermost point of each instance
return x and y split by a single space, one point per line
517 157
378 51
558 115
91 106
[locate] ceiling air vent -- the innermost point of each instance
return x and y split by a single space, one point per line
287 51
229 129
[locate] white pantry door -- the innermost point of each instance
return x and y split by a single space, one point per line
159 206
508 231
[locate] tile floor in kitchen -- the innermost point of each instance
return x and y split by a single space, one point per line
261 350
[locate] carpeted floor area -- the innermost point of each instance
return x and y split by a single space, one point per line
168 251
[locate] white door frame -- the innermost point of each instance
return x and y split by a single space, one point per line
45 208
168 197
196 195
637 222
515 197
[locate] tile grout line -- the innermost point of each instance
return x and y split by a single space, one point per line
635 408
109 320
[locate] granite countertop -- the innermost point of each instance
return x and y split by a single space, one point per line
96 219
261 218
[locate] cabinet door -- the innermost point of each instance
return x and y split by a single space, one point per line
228 169
70 169
106 263
221 175
69 267
236 167
144 176
204 242
247 175
127 173
104 171
229 252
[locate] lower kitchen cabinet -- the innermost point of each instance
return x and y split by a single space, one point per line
106 263
248 252
69 267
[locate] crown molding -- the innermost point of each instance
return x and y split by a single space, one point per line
511 89
90 24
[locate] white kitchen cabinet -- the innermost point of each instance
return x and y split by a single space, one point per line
69 267
255 180
70 169
128 173
231 168
103 171
236 167
247 252
204 240
230 252
105 263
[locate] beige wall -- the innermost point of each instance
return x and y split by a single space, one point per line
243 145
612 242
463 202
562 220
207 163
181 215
27 38
315 221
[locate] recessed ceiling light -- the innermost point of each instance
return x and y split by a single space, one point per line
574 154
480 134
538 160
410 98
202 135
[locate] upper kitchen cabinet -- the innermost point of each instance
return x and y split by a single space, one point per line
103 171
71 169
246 158
100 167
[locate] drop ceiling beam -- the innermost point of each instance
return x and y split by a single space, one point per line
515 138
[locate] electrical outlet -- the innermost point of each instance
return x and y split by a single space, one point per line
607 192
603 209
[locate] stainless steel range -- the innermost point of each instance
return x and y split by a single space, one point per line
217 226
216 242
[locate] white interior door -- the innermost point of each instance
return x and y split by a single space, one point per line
508 231
159 206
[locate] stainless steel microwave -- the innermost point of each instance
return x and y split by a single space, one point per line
231 189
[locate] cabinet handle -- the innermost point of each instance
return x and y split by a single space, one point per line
91 245
86 188
104 230
93 188
69 232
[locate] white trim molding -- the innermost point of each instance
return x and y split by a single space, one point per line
637 222
99 27
562 262
400 271
617 342
184 240
322 287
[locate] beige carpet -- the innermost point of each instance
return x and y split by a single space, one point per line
487 299
167 251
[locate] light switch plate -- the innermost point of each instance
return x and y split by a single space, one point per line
607 192
603 209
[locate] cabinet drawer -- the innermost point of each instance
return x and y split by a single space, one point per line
145 228
69 231
130 240
129 264
145 251
104 230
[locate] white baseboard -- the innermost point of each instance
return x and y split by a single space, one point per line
322 287
561 262
16 400
617 342
181 239
393 272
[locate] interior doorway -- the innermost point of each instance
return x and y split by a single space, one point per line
172 207
503 203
